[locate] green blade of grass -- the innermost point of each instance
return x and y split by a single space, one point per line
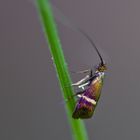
44 9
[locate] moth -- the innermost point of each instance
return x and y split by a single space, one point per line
91 87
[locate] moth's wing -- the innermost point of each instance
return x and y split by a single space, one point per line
83 110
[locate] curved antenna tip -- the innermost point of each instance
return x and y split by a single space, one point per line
93 44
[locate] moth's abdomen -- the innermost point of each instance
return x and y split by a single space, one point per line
84 108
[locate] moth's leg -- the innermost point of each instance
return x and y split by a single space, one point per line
85 79
76 94
81 81
79 92
88 80
83 71
91 73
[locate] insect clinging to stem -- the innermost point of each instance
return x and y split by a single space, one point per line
91 87
92 84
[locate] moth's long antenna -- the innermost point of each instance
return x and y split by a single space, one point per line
63 19
93 44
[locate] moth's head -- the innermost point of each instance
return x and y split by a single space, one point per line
102 67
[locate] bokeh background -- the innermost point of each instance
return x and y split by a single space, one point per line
30 98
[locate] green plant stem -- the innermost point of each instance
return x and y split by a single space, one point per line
77 126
